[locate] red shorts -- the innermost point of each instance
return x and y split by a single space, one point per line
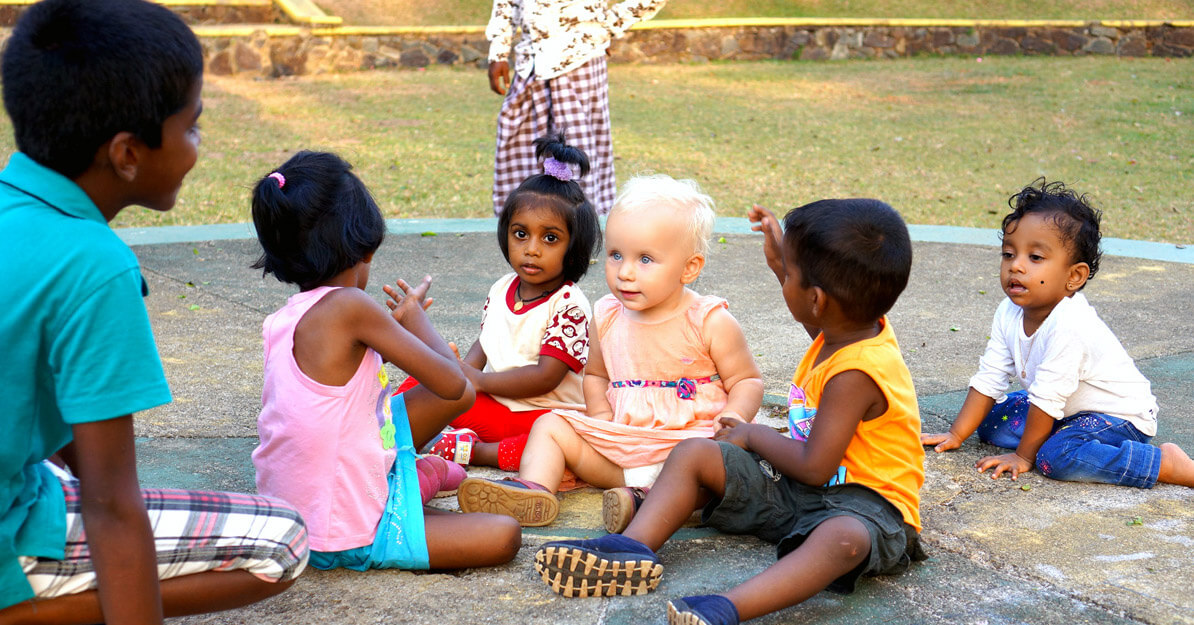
489 418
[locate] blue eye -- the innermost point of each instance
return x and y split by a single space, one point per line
645 259
615 255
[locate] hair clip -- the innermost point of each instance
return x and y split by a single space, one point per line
279 177
556 169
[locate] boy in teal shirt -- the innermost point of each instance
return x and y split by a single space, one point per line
104 99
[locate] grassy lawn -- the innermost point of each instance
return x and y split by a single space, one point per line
944 140
428 12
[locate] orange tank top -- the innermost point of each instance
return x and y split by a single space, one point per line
885 453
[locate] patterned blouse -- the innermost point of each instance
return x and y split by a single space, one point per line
559 36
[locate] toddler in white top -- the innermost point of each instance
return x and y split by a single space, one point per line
1087 414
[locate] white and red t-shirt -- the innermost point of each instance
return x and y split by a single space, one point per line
555 326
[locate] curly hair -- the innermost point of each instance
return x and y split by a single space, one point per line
1073 216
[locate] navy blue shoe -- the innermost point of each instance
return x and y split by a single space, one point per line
702 610
609 566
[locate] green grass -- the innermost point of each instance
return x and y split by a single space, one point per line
944 140
427 12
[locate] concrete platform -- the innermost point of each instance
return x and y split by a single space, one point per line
1032 551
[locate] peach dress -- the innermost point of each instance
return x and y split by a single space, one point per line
653 408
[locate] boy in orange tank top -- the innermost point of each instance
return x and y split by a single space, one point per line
840 496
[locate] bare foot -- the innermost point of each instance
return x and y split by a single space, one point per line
1176 466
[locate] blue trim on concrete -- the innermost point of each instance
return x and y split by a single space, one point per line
1148 250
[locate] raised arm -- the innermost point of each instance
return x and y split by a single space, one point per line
406 338
765 222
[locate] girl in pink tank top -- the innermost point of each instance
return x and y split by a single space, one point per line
333 442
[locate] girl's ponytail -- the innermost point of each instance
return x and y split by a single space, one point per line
314 219
553 145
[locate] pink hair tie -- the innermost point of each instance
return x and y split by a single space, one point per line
279 177
556 169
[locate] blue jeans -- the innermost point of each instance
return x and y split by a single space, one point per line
1086 447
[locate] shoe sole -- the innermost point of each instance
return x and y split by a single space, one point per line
573 572
676 617
532 508
617 510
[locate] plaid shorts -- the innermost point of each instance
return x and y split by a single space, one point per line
575 103
194 531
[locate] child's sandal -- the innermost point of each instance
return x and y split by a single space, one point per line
454 445
619 505
531 504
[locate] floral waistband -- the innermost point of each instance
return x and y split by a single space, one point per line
685 387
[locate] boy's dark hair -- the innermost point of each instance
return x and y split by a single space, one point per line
857 250
564 197
314 222
77 72
1070 213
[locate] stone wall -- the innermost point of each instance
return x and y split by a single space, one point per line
271 50
302 51
198 14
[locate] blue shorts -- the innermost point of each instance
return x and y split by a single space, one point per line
401 540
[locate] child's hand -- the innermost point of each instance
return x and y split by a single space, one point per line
400 303
942 441
1011 463
499 77
733 430
726 414
765 221
469 371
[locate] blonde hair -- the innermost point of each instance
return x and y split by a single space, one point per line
654 191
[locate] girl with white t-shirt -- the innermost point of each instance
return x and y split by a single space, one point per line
1086 413
534 341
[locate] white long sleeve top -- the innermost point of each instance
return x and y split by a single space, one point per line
1072 363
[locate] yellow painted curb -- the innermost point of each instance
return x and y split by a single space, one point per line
306 12
904 22
381 31
239 30
763 22
212 3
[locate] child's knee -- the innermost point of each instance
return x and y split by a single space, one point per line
509 534
846 535
550 425
696 449
1058 459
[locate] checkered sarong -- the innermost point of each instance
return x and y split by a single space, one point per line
194 531
576 103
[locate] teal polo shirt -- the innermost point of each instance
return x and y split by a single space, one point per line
77 348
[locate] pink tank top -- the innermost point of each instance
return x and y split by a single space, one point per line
324 449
